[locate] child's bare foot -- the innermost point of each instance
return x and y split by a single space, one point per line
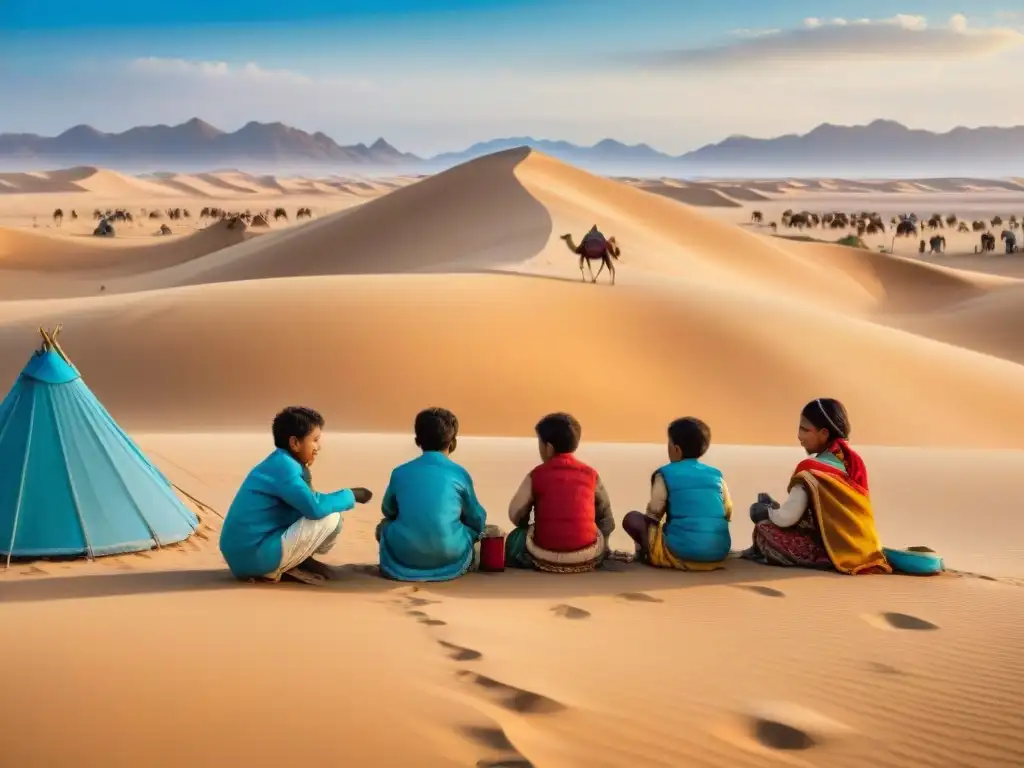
306 577
316 567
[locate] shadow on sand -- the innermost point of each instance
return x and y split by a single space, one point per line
362 579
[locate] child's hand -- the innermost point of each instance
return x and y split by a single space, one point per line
362 495
759 512
764 498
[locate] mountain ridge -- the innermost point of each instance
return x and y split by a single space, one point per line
827 147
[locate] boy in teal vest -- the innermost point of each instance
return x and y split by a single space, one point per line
686 525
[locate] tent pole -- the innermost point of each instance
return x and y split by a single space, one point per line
21 487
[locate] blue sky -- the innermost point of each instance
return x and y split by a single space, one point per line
435 75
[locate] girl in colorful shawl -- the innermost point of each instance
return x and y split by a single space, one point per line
827 521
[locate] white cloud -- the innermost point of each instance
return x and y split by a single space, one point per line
903 37
743 32
215 72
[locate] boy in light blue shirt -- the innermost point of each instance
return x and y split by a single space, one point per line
277 522
432 517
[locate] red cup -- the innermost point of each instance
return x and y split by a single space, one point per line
492 554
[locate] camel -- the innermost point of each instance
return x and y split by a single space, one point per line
104 229
799 220
937 244
997 221
757 217
164 230
963 227
979 226
280 213
74 215
304 213
58 216
906 228
594 247
951 220
1010 240
988 242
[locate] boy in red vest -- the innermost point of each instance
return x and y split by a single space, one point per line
572 515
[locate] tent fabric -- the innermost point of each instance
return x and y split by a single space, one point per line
71 481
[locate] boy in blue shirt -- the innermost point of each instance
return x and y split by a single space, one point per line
686 525
432 518
277 522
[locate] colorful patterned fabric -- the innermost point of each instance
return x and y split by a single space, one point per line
838 528
660 556
522 551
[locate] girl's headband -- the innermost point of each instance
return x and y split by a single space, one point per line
828 418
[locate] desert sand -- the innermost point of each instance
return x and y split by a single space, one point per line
455 290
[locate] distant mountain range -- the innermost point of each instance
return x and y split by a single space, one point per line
882 146
195 141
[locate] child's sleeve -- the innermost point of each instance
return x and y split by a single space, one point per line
657 506
603 510
295 492
389 504
521 506
727 501
474 516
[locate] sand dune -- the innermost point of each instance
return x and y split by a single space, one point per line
39 265
621 358
829 318
456 290
990 323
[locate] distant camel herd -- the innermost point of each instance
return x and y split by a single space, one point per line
106 218
904 225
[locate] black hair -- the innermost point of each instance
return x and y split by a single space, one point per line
692 436
829 414
561 431
436 429
295 421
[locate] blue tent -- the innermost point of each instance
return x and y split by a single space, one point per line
71 481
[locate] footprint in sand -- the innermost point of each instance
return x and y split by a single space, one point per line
433 622
759 590
904 621
458 653
570 612
419 602
639 597
34 570
788 727
516 762
492 738
512 698
417 614
884 669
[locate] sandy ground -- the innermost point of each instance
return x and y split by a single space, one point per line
455 290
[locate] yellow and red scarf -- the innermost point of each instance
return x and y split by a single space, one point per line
842 509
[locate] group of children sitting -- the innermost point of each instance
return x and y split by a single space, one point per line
433 523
